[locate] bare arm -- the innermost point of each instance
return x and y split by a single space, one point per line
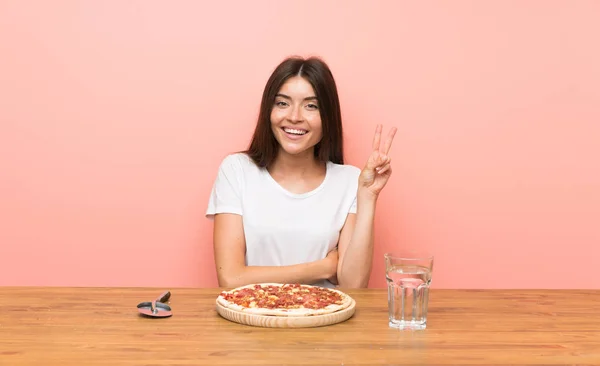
356 246
356 239
230 248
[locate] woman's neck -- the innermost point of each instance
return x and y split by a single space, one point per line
297 166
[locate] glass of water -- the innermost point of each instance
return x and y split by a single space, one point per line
408 279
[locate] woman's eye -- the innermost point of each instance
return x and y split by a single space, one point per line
280 104
312 106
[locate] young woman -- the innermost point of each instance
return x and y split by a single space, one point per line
288 210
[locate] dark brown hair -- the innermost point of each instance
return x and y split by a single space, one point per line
264 147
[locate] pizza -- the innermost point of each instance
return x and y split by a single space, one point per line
278 299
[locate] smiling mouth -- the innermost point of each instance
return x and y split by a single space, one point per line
294 131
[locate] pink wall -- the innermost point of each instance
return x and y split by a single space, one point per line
115 115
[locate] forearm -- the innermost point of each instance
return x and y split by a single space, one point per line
298 273
355 266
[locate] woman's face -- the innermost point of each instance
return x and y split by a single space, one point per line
295 117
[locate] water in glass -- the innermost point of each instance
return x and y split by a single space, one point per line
408 294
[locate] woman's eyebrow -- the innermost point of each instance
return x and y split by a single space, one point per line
288 97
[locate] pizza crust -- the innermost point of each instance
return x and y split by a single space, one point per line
297 312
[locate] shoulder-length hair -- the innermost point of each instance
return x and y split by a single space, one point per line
264 147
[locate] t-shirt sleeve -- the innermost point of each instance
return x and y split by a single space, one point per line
226 193
354 173
353 206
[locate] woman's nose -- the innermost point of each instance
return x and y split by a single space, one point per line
295 114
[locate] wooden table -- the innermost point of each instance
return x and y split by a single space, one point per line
101 326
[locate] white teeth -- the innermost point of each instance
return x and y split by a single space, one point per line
294 131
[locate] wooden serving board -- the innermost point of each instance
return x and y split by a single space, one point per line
269 321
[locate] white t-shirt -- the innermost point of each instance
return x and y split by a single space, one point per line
283 228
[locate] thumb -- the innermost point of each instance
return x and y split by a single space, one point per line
376 159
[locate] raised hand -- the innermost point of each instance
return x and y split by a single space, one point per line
378 168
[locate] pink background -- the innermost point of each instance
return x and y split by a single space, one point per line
116 114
